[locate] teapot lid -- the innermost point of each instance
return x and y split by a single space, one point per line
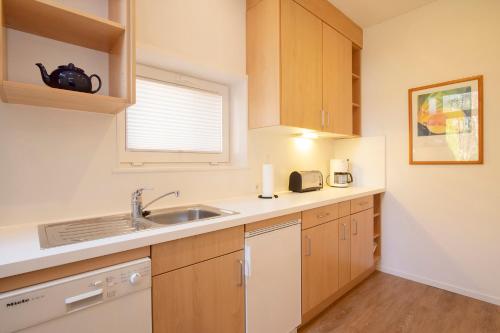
71 67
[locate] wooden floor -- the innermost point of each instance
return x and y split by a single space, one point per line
385 303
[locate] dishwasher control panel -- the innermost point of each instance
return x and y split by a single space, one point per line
22 308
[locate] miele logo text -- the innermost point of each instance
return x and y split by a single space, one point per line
24 300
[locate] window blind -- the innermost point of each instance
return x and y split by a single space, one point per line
173 118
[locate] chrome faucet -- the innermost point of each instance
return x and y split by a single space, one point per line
138 208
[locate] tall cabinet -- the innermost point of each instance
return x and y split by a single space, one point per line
300 65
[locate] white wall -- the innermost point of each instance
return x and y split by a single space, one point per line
441 224
58 165
367 159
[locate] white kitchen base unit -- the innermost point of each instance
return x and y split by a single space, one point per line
273 278
113 299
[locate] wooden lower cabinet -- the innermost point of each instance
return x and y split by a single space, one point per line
344 251
361 242
205 297
320 264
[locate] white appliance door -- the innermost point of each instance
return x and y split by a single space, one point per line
111 299
128 314
273 281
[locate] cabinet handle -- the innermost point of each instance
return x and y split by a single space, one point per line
242 267
319 216
355 231
322 118
308 247
328 119
343 231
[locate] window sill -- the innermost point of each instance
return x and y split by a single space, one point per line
162 169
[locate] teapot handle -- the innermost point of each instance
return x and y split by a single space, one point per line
100 83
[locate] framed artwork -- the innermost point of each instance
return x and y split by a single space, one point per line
446 122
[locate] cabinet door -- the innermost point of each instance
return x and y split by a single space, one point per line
344 251
337 81
301 67
320 259
361 242
206 297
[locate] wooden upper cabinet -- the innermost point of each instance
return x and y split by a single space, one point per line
337 81
320 264
361 242
301 67
205 297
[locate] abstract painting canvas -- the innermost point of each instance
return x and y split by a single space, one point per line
446 122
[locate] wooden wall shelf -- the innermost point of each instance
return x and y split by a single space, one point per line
114 35
51 20
32 94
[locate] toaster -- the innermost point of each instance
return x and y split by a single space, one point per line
305 181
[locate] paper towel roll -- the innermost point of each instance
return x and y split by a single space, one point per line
267 180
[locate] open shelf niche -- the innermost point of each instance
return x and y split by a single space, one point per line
356 90
377 227
113 35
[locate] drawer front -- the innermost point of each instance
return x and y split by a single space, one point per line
344 209
316 216
168 256
360 204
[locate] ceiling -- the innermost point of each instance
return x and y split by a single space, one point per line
370 12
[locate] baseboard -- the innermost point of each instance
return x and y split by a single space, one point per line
441 285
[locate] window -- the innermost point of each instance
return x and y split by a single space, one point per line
175 119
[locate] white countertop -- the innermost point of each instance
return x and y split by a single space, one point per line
20 249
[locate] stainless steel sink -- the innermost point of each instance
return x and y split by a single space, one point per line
57 234
186 214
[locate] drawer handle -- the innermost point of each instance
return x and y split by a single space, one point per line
308 247
319 216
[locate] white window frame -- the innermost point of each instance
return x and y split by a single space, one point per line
135 157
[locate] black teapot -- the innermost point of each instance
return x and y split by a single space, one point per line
70 78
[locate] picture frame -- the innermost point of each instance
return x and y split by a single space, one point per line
446 122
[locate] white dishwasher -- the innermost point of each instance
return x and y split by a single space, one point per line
112 299
273 278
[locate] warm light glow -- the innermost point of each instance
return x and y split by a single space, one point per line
310 135
302 143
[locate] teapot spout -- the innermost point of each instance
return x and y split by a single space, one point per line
45 75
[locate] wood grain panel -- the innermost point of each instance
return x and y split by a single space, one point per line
58 272
206 297
122 60
316 216
344 251
307 317
344 208
335 18
36 95
270 222
337 81
320 264
359 204
361 242
179 253
301 67
52 20
263 63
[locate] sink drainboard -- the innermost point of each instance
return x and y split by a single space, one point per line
57 234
